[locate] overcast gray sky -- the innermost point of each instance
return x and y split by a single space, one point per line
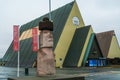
103 15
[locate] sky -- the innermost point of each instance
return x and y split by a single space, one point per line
103 15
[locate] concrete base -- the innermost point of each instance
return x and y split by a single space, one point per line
83 73
50 78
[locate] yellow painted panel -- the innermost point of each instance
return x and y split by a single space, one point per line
27 34
22 36
85 47
67 35
114 50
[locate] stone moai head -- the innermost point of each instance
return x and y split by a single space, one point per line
46 24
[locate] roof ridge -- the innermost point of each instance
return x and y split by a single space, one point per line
106 32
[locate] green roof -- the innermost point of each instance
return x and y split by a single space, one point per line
27 56
76 47
0 59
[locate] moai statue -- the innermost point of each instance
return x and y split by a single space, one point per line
45 56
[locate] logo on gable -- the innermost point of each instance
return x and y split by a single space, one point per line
76 21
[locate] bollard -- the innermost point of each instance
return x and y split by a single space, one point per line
61 63
26 71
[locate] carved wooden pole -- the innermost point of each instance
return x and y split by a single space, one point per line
45 56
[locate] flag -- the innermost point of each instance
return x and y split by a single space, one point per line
15 37
34 39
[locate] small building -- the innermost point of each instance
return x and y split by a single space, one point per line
109 46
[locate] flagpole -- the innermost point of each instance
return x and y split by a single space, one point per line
38 33
16 45
50 10
18 65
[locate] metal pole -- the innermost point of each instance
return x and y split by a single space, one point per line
38 33
18 65
50 9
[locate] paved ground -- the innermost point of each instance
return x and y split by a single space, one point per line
109 75
90 73
97 73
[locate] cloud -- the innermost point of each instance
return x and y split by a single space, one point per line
20 12
103 15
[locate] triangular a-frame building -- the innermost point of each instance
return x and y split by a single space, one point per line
83 47
67 35
66 20
74 43
76 52
108 44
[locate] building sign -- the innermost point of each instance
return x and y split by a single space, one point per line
76 21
